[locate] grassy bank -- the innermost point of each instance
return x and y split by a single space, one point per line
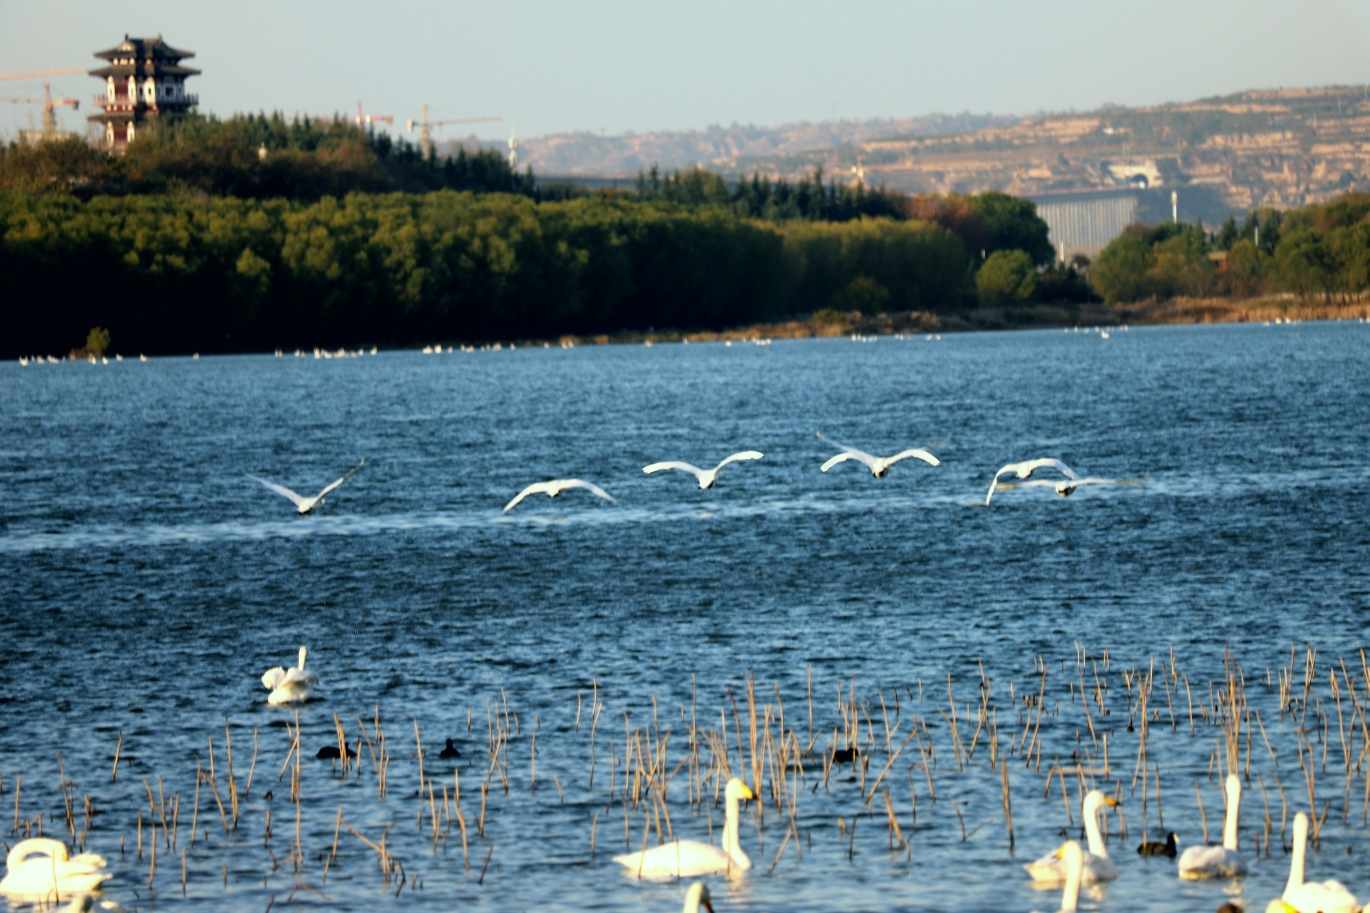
1037 316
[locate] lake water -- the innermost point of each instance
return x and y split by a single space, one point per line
146 584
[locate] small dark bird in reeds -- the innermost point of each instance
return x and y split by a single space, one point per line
1152 848
332 752
845 755
450 751
1230 907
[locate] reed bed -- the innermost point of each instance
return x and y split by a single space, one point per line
998 759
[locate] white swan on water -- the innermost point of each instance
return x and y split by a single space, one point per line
706 476
1053 868
877 465
1072 859
289 686
303 504
698 896
555 487
1218 861
1310 896
39 869
684 858
1028 467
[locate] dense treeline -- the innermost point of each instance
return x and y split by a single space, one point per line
175 273
1321 250
254 156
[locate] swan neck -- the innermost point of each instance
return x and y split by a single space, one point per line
1096 839
1070 897
302 654
1296 860
731 844
1234 801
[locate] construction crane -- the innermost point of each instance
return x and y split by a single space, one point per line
39 74
426 141
364 119
48 103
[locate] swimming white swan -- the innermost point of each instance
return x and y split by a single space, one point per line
1028 467
1218 861
1310 897
706 476
1054 869
877 465
685 858
289 686
555 487
305 505
39 869
698 896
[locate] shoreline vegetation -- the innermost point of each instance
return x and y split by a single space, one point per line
257 234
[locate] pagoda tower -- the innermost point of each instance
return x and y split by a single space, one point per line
144 80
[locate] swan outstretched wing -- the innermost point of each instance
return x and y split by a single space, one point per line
675 464
535 488
350 473
594 489
848 455
273 677
861 455
918 452
738 457
284 492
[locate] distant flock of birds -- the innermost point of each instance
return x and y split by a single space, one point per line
878 466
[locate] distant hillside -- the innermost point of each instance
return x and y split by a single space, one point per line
724 149
1280 148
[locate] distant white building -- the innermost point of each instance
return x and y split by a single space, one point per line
1085 226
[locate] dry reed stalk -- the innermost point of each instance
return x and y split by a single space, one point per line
888 765
117 749
1008 806
152 869
161 802
1160 813
480 825
232 784
481 879
1189 696
140 833
927 771
533 766
1202 815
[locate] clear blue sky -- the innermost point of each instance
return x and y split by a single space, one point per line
555 65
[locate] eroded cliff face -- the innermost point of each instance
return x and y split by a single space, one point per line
1277 148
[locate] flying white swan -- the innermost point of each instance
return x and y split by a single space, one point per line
306 505
878 465
1218 861
684 858
1053 869
1310 896
698 896
1028 467
706 476
289 686
555 487
39 869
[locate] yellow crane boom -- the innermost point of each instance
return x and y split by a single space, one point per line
425 140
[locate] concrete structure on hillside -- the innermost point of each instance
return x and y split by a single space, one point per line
1085 223
144 81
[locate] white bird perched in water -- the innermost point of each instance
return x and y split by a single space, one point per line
305 505
1310 897
1074 859
555 487
706 476
685 858
39 869
698 896
1028 467
289 686
1218 861
1053 868
878 465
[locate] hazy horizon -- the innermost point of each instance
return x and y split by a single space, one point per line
615 67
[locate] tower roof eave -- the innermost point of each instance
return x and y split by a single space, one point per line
142 69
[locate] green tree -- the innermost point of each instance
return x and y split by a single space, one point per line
1301 262
863 294
1012 223
97 341
1007 277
